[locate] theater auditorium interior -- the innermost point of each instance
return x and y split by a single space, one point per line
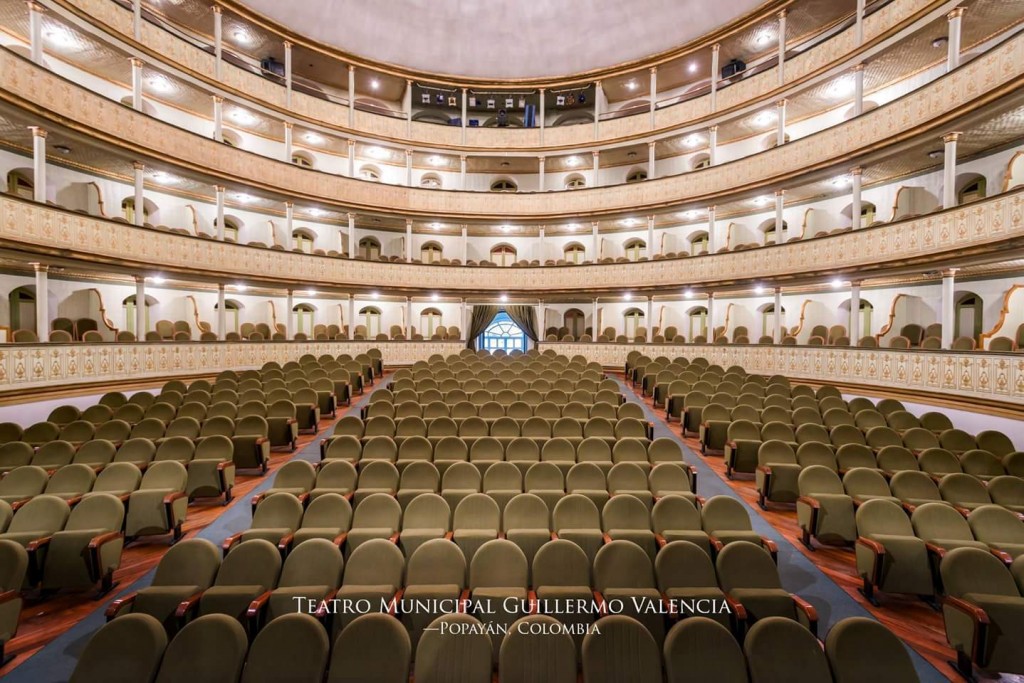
453 342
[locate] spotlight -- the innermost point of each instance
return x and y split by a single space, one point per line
157 280
836 283
759 289
628 296
504 298
434 297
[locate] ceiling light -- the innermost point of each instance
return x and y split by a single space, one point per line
692 213
936 154
693 140
436 161
836 283
435 226
160 84
435 297
941 41
375 295
764 118
761 201
243 117
688 293
163 178
374 84
60 36
841 88
157 280
763 38
759 289
504 298
632 85
378 152
313 138
628 296
572 227
506 228
240 288
241 36
841 181
311 292
315 212
630 222
572 161
63 149
244 198
692 68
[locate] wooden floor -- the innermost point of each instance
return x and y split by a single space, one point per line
915 622
44 620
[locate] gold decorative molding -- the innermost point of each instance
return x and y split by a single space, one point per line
1003 312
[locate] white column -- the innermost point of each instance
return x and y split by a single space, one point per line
543 96
780 205
541 162
408 318
710 331
712 242
136 84
465 115
650 319
288 73
947 307
353 248
855 208
953 44
780 133
777 326
222 315
782 48
139 197
858 89
462 171
542 314
651 250
408 239
594 328
408 168
38 164
287 142
540 244
596 245
351 96
860 24
596 180
218 40
598 93
407 107
652 160
35 32
949 170
855 332
42 301
137 19
288 306
140 308
289 223
218 118
465 245
465 321
351 158
219 193
654 93
714 76
712 145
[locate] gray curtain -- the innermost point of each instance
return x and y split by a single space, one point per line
478 322
526 318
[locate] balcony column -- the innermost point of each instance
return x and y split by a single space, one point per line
781 69
408 240
858 89
219 193
140 308
137 19
288 74
139 198
465 113
540 243
351 96
222 317
712 145
408 317
596 244
407 108
709 330
288 306
408 168
351 158
652 170
353 248
654 93
136 84
464 328
650 319
465 244
780 204
543 96
462 172
953 44
541 162
714 76
42 301
288 142
777 322
598 93
855 207
38 164
218 40
711 230
855 332
780 134
949 170
596 180
289 222
218 118
594 327
859 26
542 312
948 307
651 251
35 32
351 315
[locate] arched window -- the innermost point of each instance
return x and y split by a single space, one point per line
504 185
635 249
699 243
634 320
968 318
22 301
431 181
231 314
128 210
574 252
370 173
430 320
231 227
768 319
302 240
771 234
575 320
866 309
19 185
369 249
575 182
972 191
636 176
502 333
304 318
303 159
370 318
431 252
129 315
698 318
503 255
867 214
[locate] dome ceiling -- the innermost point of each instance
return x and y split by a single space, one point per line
503 39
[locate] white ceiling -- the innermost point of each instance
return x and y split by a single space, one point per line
500 38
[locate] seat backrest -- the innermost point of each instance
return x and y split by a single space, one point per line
972 570
700 649
128 648
675 512
622 650
477 511
167 475
211 647
44 515
883 517
866 482
373 646
537 648
561 563
744 565
575 511
625 512
455 647
861 649
373 563
378 510
526 511
499 564
722 513
192 562
314 562
684 564
13 565
991 524
291 647
254 563
623 564
98 511
427 511
780 649
437 562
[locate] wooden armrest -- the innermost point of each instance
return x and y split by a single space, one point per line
879 551
339 540
765 470
605 538
730 443
230 541
554 535
450 535
812 503
531 597
716 543
321 611
224 464
38 543
285 542
8 596
599 601
187 605
737 608
463 600
103 539
771 547
171 497
72 502
19 503
119 604
394 537
808 609
256 606
977 614
660 540
1006 557
908 508
938 551
393 607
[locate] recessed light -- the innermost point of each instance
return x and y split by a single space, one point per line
315 212
375 295
310 292
313 138
836 283
244 198
936 154
693 140
60 36
506 228
240 288
841 181
630 222
761 201
434 297
506 164
841 88
764 118
504 298
157 280
763 38
688 293
632 85
628 296
243 117
436 160
63 149
378 152
941 41
692 68
435 226
572 161
241 36
374 84
759 289
160 84
572 227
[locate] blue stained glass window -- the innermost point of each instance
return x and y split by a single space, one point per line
503 334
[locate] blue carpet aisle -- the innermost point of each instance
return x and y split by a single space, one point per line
55 662
799 575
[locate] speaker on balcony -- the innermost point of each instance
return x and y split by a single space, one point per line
734 67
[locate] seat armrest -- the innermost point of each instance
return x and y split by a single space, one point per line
1006 557
187 605
605 538
933 549
765 470
449 535
809 611
738 610
979 618
72 502
257 605
531 597
95 548
396 598
117 605
660 540
554 536
463 600
285 543
812 503
230 542
321 611
394 537
599 601
716 543
879 552
771 547
339 540
8 596
168 506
